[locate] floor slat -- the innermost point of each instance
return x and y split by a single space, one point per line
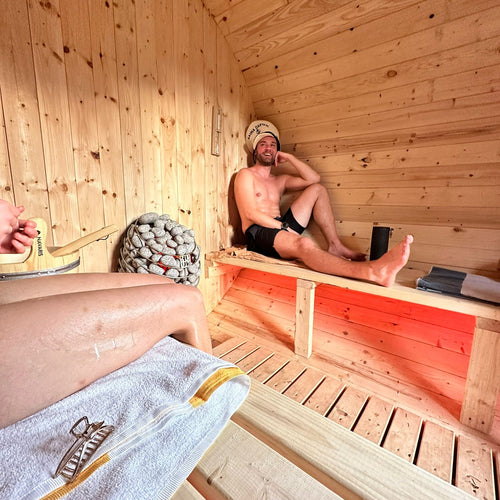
427 444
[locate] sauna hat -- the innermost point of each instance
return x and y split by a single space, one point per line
259 129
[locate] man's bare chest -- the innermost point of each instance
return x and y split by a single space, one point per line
268 191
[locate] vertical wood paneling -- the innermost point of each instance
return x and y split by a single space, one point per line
81 98
26 180
212 162
149 105
108 115
108 121
197 109
164 30
183 110
48 53
5 176
229 90
130 110
197 119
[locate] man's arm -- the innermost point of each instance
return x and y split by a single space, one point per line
307 175
244 193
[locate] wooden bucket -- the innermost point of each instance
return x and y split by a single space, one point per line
40 261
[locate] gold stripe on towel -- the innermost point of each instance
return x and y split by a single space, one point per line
212 383
64 490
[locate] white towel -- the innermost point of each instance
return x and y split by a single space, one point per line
481 287
162 428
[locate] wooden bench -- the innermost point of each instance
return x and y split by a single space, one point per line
483 375
275 447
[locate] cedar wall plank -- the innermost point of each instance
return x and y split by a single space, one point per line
81 98
21 140
166 91
452 176
183 103
241 13
460 322
108 122
212 232
48 56
129 104
356 353
474 153
270 98
469 29
376 337
479 129
5 175
149 105
356 309
198 220
458 109
458 85
349 24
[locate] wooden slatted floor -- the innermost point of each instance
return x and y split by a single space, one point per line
255 331
468 463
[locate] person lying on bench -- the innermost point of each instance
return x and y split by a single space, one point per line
258 193
60 333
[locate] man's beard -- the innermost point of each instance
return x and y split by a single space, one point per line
266 161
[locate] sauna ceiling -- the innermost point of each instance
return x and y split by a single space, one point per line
300 57
310 64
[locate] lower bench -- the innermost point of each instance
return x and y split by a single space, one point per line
483 376
277 448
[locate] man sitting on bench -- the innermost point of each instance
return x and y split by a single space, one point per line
258 193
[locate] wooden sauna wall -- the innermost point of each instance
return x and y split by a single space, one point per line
395 103
107 114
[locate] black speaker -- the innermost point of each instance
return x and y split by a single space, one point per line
380 241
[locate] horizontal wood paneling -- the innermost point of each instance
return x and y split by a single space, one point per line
382 51
395 104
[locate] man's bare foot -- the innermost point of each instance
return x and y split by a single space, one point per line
340 250
385 269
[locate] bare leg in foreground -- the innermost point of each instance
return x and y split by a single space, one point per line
382 271
54 345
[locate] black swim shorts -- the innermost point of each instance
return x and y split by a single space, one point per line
261 239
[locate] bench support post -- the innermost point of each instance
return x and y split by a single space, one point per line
304 317
483 377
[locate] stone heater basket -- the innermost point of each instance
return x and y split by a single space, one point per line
156 244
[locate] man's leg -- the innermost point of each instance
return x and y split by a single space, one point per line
382 271
52 347
314 201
